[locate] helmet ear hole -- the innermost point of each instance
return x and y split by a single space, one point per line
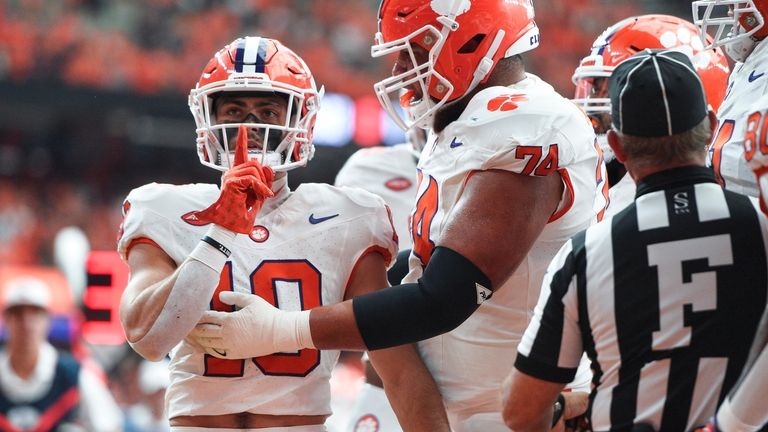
471 45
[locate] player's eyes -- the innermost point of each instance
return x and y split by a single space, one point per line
271 115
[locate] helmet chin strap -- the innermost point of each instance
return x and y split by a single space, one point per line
486 64
271 158
742 48
482 70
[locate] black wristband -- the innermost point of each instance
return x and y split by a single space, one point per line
558 409
220 247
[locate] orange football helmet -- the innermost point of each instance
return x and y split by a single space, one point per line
735 24
632 35
258 65
464 39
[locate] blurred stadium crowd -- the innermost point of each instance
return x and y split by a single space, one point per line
96 49
93 101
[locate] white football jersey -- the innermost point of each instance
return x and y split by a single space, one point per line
300 255
389 172
526 128
748 82
756 142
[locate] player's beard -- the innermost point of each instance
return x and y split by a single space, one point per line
451 111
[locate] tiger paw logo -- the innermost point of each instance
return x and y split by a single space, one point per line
506 102
259 234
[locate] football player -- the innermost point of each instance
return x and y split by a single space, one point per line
739 27
620 42
389 172
744 410
196 247
512 173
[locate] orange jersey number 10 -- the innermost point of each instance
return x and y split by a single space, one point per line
267 281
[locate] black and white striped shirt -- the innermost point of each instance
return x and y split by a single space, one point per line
664 297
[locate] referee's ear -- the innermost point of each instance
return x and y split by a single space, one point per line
615 142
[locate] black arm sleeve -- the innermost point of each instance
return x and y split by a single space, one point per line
450 290
398 271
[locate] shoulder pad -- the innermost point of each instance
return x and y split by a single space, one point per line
324 193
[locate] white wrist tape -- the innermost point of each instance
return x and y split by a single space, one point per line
291 331
215 247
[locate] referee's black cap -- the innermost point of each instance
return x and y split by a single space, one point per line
656 93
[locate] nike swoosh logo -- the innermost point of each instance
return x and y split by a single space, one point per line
455 143
753 77
314 221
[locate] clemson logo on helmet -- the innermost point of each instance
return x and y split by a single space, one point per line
443 7
367 423
506 102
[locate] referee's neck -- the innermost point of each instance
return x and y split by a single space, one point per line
641 172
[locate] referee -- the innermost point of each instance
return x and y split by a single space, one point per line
664 297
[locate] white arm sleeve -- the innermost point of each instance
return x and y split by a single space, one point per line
194 283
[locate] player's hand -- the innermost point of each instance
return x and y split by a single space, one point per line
574 406
244 188
256 329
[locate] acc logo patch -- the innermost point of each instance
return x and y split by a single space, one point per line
259 234
506 102
367 423
398 184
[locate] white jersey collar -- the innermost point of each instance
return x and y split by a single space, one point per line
282 192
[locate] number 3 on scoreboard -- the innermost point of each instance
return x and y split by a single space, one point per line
270 278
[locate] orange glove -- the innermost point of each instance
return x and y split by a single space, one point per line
244 188
711 426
